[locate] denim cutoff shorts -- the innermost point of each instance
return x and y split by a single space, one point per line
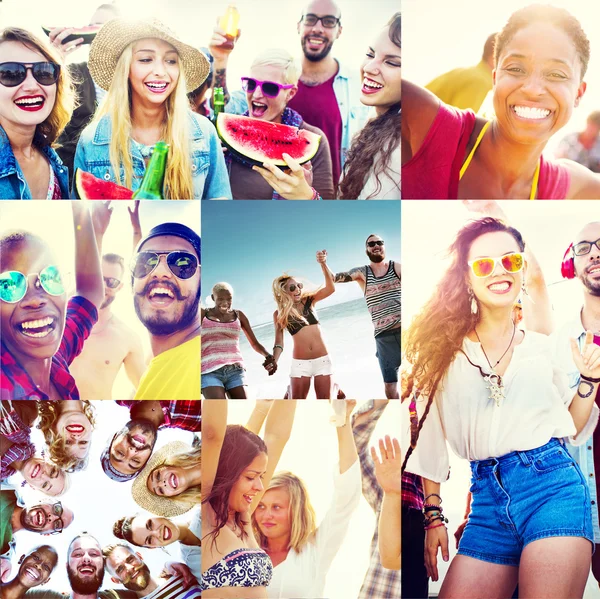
228 377
524 496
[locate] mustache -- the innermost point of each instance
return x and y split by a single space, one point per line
152 284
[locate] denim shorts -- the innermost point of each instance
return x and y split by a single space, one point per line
388 354
228 377
524 496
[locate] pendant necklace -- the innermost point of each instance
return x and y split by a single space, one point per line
494 380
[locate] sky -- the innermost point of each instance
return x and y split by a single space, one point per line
460 29
264 23
96 501
248 244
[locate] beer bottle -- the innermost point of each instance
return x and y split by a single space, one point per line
229 23
152 184
218 102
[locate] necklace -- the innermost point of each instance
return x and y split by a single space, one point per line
494 381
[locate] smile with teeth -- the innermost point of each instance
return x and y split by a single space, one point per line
86 570
248 498
161 291
173 481
35 471
316 41
594 269
166 534
157 85
39 517
499 287
372 84
30 101
528 112
33 573
37 328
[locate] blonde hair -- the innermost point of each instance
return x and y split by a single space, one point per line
50 412
285 304
279 58
302 514
176 130
222 287
49 130
186 459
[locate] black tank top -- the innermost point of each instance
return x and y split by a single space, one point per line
294 325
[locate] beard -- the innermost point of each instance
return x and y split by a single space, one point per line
325 50
140 581
592 286
376 258
107 301
85 586
26 520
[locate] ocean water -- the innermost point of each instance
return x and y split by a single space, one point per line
348 333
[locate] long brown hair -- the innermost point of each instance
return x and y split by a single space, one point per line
438 331
373 146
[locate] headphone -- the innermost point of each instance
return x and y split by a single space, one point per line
567 268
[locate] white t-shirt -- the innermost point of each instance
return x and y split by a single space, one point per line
534 410
190 554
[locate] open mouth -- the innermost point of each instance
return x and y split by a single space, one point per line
75 429
35 471
173 482
33 574
258 109
138 441
30 103
161 296
594 270
157 87
39 518
39 328
167 534
370 87
530 113
248 498
315 43
86 570
500 287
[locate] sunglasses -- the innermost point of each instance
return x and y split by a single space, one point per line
585 247
484 267
182 264
372 244
329 21
14 73
13 284
269 88
293 287
111 282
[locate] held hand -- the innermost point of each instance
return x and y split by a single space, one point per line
56 37
459 531
388 470
587 360
270 365
219 45
322 256
101 213
290 184
434 538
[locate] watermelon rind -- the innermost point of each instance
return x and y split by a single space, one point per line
253 156
88 187
88 33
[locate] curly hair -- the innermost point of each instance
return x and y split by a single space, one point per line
373 146
50 412
186 459
285 304
47 132
544 13
240 447
436 334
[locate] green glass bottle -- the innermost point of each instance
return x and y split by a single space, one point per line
152 184
218 102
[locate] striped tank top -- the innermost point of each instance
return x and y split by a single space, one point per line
383 296
220 344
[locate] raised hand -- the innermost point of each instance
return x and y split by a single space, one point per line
101 213
388 469
322 256
219 45
588 359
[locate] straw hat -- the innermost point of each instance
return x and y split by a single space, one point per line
155 504
117 34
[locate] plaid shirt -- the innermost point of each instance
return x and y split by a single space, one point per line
15 382
186 415
379 582
17 432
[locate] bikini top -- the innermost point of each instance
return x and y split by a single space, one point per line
295 325
240 568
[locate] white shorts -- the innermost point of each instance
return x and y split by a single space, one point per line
317 367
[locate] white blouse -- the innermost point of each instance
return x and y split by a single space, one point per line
534 410
191 554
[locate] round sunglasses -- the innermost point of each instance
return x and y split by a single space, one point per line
269 88
182 264
14 73
14 284
484 267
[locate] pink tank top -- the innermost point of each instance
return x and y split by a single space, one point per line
220 344
433 172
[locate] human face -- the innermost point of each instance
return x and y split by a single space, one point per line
223 300
380 74
133 446
154 71
164 303
43 476
15 110
37 567
111 271
248 484
293 289
317 40
168 481
37 307
273 513
41 518
85 566
376 254
587 267
261 106
76 429
537 83
128 568
501 288
154 532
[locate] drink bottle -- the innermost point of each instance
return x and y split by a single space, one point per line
152 184
218 101
230 24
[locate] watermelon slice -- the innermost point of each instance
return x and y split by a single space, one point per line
89 187
260 141
88 33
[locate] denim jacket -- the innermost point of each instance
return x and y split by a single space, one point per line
12 180
584 453
210 176
346 87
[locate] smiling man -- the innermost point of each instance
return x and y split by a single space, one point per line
35 569
166 287
85 566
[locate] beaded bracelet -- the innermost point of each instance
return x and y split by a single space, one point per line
431 506
316 195
433 495
428 521
589 379
436 526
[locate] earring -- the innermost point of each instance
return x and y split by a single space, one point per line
23 483
474 305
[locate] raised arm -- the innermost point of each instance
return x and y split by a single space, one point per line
588 363
259 414
346 447
214 424
219 49
277 433
329 287
88 270
419 109
358 274
134 216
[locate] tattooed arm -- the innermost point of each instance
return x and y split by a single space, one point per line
358 274
220 47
